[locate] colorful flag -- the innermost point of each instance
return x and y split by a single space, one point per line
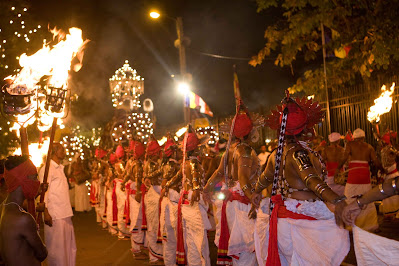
196 102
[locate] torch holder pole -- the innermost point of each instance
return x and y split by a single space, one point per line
48 159
24 141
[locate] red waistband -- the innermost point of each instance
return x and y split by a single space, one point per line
359 173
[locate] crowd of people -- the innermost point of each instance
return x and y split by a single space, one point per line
293 205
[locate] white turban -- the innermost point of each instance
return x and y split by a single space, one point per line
358 133
333 137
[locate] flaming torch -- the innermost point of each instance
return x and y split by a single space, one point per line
382 105
45 75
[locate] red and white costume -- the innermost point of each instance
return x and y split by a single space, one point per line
359 183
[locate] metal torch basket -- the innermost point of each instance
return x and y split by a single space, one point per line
15 104
55 98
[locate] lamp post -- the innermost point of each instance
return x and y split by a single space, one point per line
180 44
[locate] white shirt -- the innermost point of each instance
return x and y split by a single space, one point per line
57 196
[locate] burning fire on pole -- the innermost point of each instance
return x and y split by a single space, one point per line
43 80
382 105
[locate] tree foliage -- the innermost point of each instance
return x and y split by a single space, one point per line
368 28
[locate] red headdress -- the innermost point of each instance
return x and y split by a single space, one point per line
388 136
113 158
168 148
119 152
100 153
153 147
138 149
303 114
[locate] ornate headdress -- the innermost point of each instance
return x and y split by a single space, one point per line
138 149
388 136
244 122
100 153
119 152
303 114
169 145
192 139
153 147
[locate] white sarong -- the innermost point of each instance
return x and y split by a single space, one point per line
241 228
169 226
195 225
372 249
60 242
303 242
137 236
82 198
151 202
367 218
123 231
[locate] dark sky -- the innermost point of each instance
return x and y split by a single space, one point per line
121 30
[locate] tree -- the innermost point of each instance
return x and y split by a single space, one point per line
362 33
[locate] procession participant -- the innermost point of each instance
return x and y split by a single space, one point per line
372 249
240 167
20 243
59 233
120 197
192 219
390 206
168 215
151 190
103 194
361 154
135 174
300 221
332 155
263 154
95 188
80 174
112 209
220 148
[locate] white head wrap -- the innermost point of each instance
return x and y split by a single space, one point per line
333 137
358 133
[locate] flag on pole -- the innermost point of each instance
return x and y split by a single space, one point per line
196 102
236 84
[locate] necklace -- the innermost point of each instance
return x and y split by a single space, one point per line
19 207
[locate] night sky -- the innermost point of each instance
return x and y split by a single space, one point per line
121 30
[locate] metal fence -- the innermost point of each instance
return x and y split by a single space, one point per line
349 107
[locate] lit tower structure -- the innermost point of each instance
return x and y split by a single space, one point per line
130 119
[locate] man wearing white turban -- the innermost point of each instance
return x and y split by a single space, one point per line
332 155
360 154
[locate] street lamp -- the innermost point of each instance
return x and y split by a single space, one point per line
181 44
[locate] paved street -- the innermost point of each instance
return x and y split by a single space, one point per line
97 247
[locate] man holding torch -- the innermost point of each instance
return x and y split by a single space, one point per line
58 230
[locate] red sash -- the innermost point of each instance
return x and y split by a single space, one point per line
143 189
223 249
93 198
279 211
393 171
180 252
105 204
129 192
359 173
331 167
159 237
114 206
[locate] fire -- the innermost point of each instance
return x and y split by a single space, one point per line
382 104
52 61
37 152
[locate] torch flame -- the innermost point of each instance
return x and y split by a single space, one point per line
382 104
37 152
54 62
